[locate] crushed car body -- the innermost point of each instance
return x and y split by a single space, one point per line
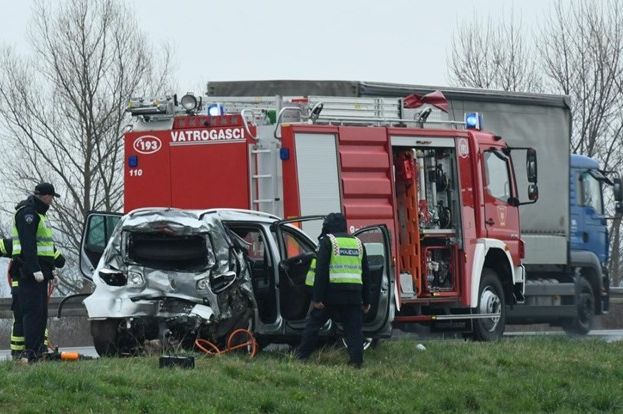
168 277
172 273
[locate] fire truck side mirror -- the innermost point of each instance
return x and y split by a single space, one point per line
533 192
531 166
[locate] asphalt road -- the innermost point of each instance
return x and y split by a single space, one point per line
5 354
611 335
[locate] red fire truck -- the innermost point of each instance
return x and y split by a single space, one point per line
446 190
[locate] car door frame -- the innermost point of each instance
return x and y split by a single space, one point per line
86 264
381 325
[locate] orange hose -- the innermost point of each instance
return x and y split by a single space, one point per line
207 347
248 342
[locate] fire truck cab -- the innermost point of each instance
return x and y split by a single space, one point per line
446 190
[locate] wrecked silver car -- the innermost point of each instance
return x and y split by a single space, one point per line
170 277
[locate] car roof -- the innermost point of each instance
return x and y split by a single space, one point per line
226 214
240 215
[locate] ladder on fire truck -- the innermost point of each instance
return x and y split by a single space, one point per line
268 113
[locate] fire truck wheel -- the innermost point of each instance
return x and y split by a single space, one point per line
105 335
490 301
585 302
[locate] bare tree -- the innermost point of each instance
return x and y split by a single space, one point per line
493 56
62 110
582 51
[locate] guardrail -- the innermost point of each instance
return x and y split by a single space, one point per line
72 307
75 308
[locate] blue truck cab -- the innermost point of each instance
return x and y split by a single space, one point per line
589 249
589 230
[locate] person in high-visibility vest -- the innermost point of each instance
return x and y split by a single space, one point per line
33 248
340 289
17 329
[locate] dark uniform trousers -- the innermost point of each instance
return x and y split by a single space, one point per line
351 317
33 298
17 333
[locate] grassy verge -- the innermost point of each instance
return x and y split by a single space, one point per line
516 375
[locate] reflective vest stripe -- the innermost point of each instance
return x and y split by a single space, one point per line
311 273
14 283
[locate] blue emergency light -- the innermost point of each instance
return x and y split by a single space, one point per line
473 120
132 161
215 109
284 154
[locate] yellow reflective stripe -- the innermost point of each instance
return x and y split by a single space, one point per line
17 342
57 254
14 283
311 273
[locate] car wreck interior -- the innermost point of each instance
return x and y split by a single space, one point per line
169 252
294 295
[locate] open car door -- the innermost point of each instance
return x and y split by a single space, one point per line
297 251
97 229
378 321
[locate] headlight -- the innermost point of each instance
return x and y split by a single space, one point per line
223 281
135 279
112 277
203 284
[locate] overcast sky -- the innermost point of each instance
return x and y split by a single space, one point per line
403 41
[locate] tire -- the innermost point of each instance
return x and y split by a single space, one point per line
105 337
490 300
585 302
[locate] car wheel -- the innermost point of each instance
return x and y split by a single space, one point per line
105 335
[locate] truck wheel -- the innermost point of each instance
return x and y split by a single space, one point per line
105 337
585 302
490 301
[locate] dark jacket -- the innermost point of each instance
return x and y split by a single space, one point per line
26 221
339 294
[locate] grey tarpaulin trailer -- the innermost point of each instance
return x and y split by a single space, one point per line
524 120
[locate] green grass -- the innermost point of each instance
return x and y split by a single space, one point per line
516 375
